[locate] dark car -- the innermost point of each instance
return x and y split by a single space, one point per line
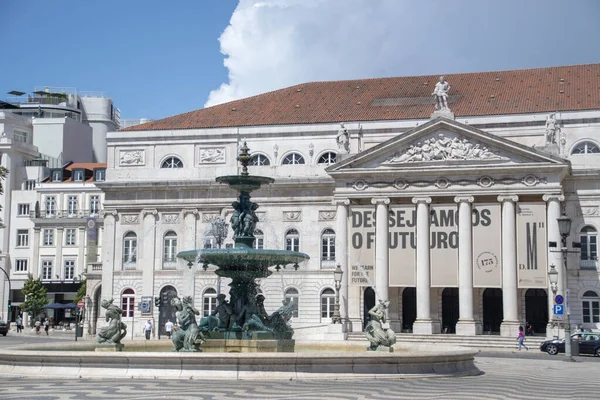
589 343
3 328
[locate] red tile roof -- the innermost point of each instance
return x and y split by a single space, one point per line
88 166
566 88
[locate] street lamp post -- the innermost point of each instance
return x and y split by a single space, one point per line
337 277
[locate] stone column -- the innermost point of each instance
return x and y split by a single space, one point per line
341 255
109 244
510 299
190 218
382 248
423 323
81 261
554 255
146 258
466 324
59 240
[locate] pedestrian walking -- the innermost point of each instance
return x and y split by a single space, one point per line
38 326
521 339
169 328
19 324
148 329
47 327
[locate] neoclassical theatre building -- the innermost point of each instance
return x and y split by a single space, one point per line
444 204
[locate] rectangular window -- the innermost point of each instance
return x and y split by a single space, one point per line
57 175
210 301
19 136
94 206
72 206
328 248
21 265
70 237
78 175
100 175
22 237
69 270
50 206
46 270
23 210
170 249
29 185
48 237
591 311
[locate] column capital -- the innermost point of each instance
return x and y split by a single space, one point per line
380 200
555 197
149 211
106 213
340 202
187 211
512 198
464 199
421 199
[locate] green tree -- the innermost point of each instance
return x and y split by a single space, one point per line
81 292
35 297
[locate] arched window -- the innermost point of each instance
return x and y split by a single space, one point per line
128 303
129 250
591 307
291 294
327 304
328 245
170 248
586 148
293 158
258 160
209 301
588 236
259 242
292 240
172 162
328 158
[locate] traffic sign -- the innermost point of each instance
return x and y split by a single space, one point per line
559 299
559 309
80 303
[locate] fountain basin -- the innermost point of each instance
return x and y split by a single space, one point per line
344 360
244 258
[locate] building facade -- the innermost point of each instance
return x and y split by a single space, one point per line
445 204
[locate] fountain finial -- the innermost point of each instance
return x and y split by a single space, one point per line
244 159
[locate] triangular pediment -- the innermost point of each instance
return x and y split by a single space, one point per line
446 144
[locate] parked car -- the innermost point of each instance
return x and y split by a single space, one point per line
589 343
3 328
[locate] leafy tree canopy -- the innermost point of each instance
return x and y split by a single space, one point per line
81 292
35 296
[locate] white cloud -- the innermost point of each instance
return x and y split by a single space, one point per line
271 44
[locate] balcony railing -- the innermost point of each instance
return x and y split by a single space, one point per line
588 264
61 214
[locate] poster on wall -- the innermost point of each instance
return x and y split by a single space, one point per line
402 255
487 245
531 245
443 245
361 246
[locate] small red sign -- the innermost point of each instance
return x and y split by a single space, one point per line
80 303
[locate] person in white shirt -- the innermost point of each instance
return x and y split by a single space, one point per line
148 329
169 328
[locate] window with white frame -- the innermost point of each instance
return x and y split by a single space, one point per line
29 184
586 148
292 240
21 265
588 237
328 158
78 175
56 175
50 206
327 303
48 237
591 307
172 162
291 294
100 175
259 160
22 237
259 241
20 136
128 303
70 235
209 301
129 247
47 270
72 206
69 270
210 242
170 246
23 210
94 206
293 159
328 245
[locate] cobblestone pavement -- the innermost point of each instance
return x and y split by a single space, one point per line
502 378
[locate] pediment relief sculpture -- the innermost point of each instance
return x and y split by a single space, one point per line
443 148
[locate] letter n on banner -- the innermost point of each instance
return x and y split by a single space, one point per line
361 246
531 245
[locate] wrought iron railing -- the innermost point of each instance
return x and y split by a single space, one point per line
61 214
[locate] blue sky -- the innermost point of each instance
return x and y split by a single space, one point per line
158 59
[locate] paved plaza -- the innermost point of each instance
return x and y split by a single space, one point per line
529 375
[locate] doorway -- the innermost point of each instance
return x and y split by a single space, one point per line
449 310
536 309
167 311
493 310
368 303
409 308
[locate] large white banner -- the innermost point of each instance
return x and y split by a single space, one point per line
361 246
487 245
443 244
402 219
531 245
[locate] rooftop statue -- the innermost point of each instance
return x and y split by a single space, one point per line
116 330
441 95
552 129
343 139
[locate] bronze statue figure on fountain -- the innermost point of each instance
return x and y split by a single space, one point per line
381 338
188 337
116 330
